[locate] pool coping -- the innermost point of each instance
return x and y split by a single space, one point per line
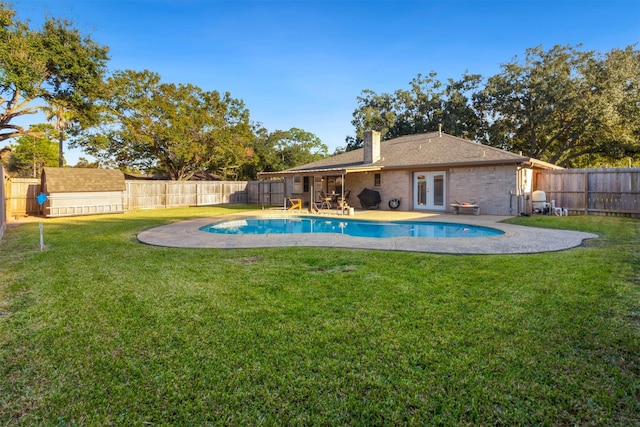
516 239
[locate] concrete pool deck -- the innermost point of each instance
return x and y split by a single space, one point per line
515 240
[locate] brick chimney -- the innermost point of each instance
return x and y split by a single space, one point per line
371 146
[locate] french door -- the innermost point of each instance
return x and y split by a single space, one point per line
429 190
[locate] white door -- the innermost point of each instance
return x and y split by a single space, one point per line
429 190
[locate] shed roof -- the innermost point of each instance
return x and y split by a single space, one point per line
426 150
75 180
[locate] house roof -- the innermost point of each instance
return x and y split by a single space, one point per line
74 180
426 150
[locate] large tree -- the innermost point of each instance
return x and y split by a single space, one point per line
30 154
426 106
62 119
163 127
297 147
53 65
566 106
280 149
460 117
563 105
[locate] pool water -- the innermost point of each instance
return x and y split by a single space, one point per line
351 227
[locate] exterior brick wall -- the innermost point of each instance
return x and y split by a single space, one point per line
393 185
489 186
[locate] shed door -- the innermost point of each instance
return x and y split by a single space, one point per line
429 190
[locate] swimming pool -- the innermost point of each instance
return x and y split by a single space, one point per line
348 226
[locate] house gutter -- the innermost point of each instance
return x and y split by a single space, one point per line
315 172
542 165
457 164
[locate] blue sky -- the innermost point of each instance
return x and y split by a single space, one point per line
303 63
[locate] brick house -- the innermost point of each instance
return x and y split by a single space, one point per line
424 172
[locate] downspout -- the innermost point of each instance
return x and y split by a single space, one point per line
522 202
510 203
520 191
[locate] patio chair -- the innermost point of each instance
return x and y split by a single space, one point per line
344 202
295 204
326 201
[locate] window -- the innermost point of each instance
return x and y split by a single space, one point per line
301 184
376 180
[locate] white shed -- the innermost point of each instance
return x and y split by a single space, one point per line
83 191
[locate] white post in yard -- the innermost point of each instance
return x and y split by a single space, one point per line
41 238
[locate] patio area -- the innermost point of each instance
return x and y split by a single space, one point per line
515 240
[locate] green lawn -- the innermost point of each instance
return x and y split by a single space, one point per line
99 329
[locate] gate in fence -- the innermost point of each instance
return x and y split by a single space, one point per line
266 193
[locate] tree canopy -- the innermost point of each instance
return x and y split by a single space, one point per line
424 107
31 153
563 105
566 106
53 65
279 150
131 120
174 128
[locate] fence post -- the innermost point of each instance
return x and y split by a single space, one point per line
586 193
3 203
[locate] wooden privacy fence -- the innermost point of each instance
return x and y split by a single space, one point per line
3 202
593 191
168 194
164 194
266 193
21 194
